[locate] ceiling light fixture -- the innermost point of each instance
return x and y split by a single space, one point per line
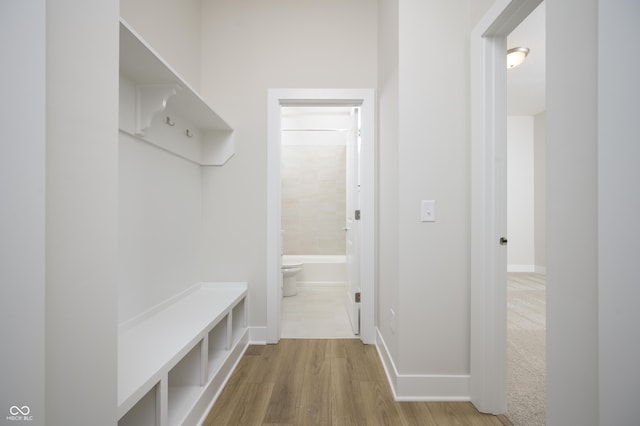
516 56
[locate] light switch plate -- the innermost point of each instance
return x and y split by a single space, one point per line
428 211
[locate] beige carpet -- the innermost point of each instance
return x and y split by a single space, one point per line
526 315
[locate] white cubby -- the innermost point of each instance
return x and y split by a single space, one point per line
174 358
238 321
144 412
185 384
218 346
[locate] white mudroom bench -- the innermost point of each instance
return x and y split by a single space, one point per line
174 359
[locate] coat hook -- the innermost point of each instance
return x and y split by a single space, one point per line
169 122
188 133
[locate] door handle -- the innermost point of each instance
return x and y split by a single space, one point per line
503 241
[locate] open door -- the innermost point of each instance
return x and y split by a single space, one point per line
352 227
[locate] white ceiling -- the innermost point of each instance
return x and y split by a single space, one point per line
526 83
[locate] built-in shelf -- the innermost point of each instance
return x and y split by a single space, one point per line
185 384
159 107
181 402
173 359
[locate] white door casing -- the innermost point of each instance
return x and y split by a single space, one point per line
488 345
365 100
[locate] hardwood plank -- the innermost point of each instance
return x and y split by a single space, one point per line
379 406
362 360
471 414
325 382
285 397
412 413
252 413
346 401
314 409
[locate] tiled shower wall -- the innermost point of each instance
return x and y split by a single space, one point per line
313 199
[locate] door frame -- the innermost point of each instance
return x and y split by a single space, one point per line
488 328
365 98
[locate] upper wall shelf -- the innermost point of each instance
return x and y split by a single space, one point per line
158 106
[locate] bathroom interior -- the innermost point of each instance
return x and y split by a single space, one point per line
313 218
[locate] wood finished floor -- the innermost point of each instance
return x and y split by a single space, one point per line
325 382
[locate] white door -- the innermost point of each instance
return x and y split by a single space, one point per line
352 227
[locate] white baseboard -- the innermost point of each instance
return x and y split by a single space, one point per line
258 335
422 387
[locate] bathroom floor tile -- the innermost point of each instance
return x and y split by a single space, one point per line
316 313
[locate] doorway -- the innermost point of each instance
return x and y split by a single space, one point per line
319 195
488 381
363 100
526 225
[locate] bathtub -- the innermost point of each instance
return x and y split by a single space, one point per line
319 270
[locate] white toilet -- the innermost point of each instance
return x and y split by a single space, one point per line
289 281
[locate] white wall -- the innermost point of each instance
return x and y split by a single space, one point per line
22 213
424 154
160 226
388 133
572 214
520 194
526 195
539 189
433 160
160 195
618 206
172 28
247 48
81 212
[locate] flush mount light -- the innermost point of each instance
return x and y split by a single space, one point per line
516 55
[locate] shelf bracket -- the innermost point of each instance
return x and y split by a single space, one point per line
151 99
